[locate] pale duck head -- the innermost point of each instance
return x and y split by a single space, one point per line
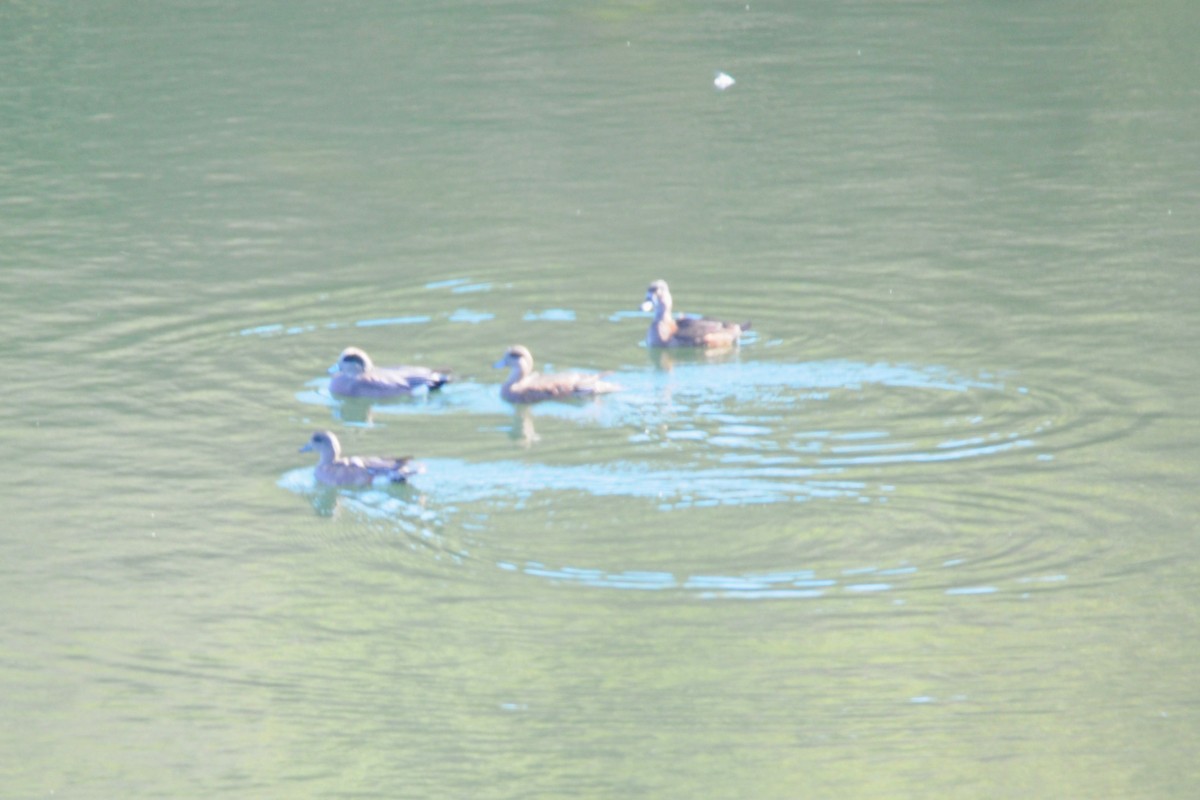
518 359
326 445
658 296
352 362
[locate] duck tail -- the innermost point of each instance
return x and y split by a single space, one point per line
405 468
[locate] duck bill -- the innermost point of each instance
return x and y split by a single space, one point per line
334 370
307 448
499 364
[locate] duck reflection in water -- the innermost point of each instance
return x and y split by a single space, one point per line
329 501
665 360
522 430
324 500
355 411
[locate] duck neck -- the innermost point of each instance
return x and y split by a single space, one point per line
516 374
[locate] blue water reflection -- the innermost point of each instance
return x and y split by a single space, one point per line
511 483
754 412
717 431
420 512
762 382
798 584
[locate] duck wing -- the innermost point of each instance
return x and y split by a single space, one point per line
699 331
565 385
389 382
395 469
416 376
593 384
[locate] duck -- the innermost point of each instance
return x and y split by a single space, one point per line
667 331
334 469
355 375
526 386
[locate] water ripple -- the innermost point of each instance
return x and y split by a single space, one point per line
420 512
459 496
705 434
793 584
871 415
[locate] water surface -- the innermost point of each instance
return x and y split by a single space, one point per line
928 532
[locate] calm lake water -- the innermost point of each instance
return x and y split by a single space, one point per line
931 532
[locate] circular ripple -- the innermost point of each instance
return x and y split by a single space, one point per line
719 430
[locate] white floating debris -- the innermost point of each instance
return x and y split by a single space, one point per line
723 81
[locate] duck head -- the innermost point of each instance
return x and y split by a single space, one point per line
352 361
518 359
658 297
326 445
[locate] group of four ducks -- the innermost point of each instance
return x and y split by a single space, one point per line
356 376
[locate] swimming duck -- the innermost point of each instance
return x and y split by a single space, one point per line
667 331
355 375
334 469
526 386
